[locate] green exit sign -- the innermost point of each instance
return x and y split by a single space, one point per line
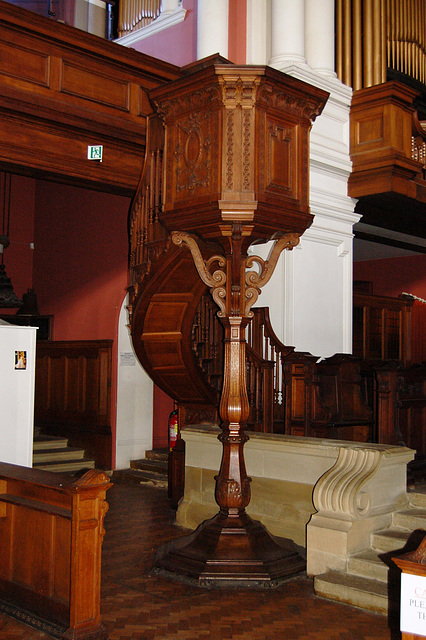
94 152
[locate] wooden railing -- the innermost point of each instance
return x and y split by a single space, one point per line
207 341
263 341
147 235
51 532
372 37
265 358
360 398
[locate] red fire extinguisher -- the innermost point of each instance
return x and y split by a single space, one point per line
173 428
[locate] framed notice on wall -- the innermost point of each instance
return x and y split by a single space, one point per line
413 604
20 360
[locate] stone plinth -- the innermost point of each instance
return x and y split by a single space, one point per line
354 487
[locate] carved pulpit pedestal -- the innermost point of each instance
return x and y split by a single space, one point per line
235 172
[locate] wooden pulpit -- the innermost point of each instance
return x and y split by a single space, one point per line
235 172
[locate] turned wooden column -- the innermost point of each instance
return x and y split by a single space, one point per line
232 483
231 548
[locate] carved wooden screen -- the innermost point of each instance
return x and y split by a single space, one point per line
381 328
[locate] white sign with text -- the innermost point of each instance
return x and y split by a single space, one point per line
413 604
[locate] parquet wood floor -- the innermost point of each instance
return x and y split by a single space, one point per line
139 606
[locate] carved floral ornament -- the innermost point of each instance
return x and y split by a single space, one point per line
239 90
216 278
268 96
189 103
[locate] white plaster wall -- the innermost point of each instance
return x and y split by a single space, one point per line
258 48
310 293
17 395
212 28
134 401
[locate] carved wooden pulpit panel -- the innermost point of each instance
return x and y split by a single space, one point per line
237 150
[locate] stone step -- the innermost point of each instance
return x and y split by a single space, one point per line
67 465
157 466
389 539
57 455
410 519
157 454
49 442
138 476
357 591
368 564
417 499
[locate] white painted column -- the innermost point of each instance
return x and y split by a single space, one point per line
134 401
287 33
319 36
212 28
258 31
310 294
169 6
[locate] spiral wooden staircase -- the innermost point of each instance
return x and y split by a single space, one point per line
194 180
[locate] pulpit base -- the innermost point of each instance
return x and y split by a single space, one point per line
230 551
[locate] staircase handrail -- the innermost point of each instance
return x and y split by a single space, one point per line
262 319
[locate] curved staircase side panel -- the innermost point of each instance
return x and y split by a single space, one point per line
162 323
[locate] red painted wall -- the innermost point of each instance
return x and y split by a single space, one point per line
80 259
18 257
237 31
78 267
178 44
393 276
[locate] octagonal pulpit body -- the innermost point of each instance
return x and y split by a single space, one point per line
237 149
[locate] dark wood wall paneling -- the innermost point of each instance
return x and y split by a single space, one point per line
73 394
61 90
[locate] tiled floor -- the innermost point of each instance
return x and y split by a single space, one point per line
138 606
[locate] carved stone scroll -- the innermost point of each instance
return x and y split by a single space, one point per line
339 492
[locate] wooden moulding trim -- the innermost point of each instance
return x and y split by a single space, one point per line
394 92
77 41
42 606
368 183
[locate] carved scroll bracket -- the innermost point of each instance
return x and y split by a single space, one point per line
254 280
216 279
339 491
257 279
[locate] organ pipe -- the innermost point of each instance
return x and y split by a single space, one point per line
135 14
375 35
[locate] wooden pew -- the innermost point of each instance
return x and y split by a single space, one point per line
338 389
51 532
